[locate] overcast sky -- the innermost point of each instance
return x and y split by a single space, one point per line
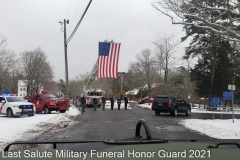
135 24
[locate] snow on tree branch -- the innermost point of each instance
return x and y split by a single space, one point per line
202 14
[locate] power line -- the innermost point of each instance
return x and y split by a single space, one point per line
75 14
69 8
74 31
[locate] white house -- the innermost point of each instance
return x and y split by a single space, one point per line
133 92
22 88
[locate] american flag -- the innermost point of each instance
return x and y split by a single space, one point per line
108 59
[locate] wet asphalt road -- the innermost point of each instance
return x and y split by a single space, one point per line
121 124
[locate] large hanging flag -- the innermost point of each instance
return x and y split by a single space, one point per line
108 59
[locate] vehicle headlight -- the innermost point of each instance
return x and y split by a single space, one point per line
15 106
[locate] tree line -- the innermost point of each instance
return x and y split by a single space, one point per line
31 66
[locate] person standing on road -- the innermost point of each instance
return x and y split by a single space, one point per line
119 102
112 102
103 103
83 103
126 102
75 101
95 102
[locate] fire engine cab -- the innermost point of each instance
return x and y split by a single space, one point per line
88 90
90 94
48 102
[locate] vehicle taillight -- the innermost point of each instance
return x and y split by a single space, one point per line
169 104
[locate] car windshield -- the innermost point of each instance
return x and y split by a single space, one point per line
162 99
49 96
15 99
95 94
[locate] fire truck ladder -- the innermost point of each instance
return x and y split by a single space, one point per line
92 77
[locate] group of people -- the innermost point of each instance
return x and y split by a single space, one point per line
119 101
95 102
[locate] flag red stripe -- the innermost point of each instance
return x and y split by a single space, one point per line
105 66
98 75
99 66
115 63
112 59
110 62
116 60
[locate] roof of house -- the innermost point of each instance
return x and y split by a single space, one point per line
22 83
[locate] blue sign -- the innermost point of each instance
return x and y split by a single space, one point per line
228 96
216 101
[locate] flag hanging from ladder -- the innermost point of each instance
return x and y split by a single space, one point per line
108 56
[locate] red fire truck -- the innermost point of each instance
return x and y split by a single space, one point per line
90 94
48 102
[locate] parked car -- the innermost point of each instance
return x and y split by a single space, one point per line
145 100
16 106
169 104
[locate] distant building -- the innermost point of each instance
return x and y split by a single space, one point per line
41 87
132 92
22 88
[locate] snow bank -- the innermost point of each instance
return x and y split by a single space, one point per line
221 129
27 128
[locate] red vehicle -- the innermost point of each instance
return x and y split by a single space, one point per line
90 94
48 102
145 100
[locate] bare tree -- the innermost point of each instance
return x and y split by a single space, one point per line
7 62
166 47
146 67
3 41
226 24
76 85
36 69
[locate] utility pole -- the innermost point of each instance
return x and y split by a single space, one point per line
121 81
65 51
66 41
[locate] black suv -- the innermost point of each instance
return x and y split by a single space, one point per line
169 104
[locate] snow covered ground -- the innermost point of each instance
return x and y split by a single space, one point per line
216 128
27 128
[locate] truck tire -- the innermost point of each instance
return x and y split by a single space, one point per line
47 110
157 113
175 112
30 115
188 113
9 113
63 111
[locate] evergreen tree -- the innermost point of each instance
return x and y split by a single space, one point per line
213 71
